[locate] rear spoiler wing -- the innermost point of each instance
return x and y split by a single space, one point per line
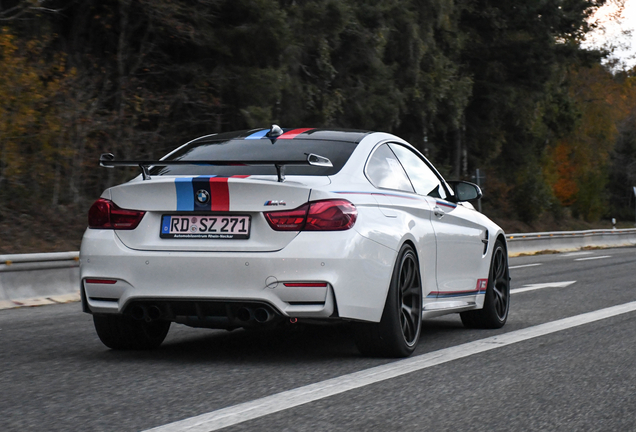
107 160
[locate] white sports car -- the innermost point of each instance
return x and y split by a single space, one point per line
268 226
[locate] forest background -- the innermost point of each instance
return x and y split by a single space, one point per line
503 86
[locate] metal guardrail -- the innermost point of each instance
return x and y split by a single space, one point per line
38 261
37 279
569 240
569 234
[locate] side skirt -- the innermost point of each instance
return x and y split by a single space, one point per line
444 307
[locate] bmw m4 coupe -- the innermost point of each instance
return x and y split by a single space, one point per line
271 226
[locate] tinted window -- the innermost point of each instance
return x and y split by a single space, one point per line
384 170
337 152
424 180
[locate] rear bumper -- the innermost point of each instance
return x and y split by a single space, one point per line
356 272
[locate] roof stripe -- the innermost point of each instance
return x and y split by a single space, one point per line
291 134
258 135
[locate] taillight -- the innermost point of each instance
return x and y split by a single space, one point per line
104 214
288 220
327 215
331 215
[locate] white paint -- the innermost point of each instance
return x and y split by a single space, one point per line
571 254
292 398
524 265
533 287
593 258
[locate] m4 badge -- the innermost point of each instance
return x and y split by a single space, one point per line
275 203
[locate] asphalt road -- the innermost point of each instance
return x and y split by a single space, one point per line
55 374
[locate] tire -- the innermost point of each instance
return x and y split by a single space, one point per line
120 332
497 302
398 332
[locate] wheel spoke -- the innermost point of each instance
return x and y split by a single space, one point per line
409 298
498 295
408 275
500 301
499 265
412 291
408 311
408 326
405 326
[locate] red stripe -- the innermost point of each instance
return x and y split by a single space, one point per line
294 133
220 194
240 176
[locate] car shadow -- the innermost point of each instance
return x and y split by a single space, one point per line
287 344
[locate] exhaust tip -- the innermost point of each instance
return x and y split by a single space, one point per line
138 312
244 314
154 313
262 315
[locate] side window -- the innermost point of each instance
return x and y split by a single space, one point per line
384 171
424 180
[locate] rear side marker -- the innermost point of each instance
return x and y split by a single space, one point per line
101 281
305 284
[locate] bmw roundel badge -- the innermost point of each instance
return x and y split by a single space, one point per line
203 196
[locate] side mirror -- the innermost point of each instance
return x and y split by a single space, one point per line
465 191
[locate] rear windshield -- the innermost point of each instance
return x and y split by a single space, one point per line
337 152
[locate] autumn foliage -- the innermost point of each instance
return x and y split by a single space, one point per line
503 86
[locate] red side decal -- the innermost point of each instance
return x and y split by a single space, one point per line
482 285
293 133
220 194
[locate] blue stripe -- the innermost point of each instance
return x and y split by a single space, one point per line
185 194
258 135
457 295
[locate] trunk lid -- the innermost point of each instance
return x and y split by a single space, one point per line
204 200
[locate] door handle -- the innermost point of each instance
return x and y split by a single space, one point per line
438 212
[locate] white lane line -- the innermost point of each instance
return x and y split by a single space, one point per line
524 265
532 287
593 258
571 254
292 398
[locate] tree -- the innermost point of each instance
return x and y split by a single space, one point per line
518 53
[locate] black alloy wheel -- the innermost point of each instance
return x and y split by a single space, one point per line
410 298
398 332
500 284
494 314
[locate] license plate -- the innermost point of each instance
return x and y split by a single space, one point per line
205 227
